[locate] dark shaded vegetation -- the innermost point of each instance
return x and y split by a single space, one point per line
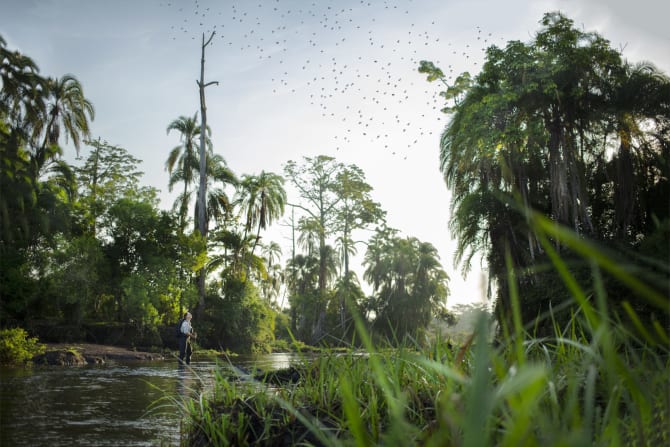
562 125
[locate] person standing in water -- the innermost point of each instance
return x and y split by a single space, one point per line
187 333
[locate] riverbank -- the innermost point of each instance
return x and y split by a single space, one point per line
74 354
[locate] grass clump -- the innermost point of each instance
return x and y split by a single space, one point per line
597 381
595 388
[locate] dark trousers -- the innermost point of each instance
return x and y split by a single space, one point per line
185 350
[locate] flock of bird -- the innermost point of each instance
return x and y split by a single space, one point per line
355 61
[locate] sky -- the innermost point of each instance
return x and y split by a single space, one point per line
302 78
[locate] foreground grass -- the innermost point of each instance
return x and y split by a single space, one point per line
583 388
596 382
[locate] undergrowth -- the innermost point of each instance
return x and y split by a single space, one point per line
596 382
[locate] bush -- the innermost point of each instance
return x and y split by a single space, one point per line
17 348
241 322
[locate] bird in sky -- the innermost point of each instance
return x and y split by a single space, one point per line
340 57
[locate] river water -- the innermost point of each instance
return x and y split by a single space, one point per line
118 404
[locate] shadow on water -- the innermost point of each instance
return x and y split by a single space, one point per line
109 405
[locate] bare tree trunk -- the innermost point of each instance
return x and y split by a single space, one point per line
347 290
317 331
294 317
94 187
202 192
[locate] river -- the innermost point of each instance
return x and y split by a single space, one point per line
117 404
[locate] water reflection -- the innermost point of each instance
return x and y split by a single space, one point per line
109 405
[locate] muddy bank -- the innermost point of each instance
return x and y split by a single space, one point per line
76 354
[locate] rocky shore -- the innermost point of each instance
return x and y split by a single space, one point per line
78 354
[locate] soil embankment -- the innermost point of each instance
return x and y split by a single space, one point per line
73 354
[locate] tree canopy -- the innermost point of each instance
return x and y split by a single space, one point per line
562 125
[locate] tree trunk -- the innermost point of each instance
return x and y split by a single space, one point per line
343 298
317 330
202 192
624 190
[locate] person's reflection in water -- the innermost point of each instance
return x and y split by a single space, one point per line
186 380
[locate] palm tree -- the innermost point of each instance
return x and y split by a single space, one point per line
15 176
219 179
32 107
409 282
640 97
272 282
272 253
235 259
23 93
219 207
262 199
303 277
430 280
310 230
182 163
66 109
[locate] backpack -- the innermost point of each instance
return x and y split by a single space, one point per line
177 330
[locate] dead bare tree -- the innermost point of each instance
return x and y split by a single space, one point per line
202 192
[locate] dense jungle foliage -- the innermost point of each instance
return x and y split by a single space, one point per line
87 253
561 126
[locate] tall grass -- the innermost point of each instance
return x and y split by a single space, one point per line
596 382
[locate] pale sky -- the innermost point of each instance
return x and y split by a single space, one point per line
303 78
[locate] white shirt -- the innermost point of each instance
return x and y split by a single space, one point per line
186 327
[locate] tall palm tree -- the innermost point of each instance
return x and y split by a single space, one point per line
308 238
303 276
640 97
235 258
182 163
272 282
262 199
34 112
219 180
218 207
23 93
68 110
409 282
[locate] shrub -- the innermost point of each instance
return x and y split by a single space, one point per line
241 322
17 348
